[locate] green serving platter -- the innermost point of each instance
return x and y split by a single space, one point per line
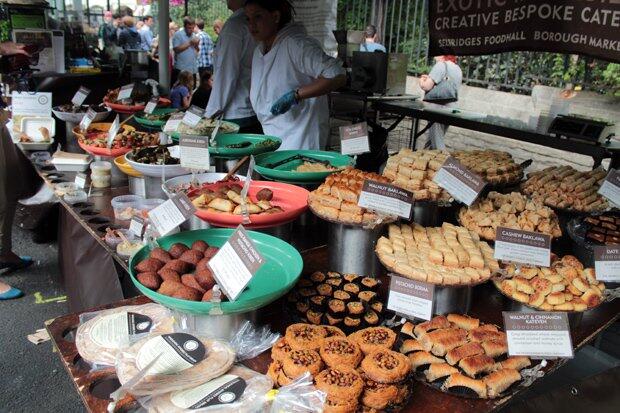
232 126
270 165
153 124
276 277
257 145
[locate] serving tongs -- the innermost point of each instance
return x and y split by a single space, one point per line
297 157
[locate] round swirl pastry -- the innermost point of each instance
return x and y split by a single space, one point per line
280 349
377 395
386 366
338 351
305 336
340 384
374 338
298 362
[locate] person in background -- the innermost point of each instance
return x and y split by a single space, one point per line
185 45
445 69
217 26
370 41
13 186
107 31
129 38
232 64
201 95
139 25
205 62
291 74
181 93
146 35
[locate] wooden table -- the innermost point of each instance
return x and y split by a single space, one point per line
487 304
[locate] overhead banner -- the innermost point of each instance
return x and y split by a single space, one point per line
319 19
474 27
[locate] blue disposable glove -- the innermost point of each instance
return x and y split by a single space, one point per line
284 104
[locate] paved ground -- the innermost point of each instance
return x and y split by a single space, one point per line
32 379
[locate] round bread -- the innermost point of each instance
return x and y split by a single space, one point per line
257 385
100 339
161 377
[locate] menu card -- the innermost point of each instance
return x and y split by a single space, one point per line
236 263
354 139
171 213
610 188
411 298
80 96
607 262
386 198
194 151
525 247
538 334
464 185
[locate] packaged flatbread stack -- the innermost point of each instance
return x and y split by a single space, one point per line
239 390
414 171
172 362
102 335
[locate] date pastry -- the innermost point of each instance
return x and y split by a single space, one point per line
338 351
386 366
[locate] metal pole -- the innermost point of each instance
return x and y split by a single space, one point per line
163 14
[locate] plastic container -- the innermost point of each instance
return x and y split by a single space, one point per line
112 239
40 155
73 197
32 125
71 162
125 206
126 251
101 181
63 188
145 205
100 168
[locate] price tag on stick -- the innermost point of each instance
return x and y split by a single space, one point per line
194 151
386 198
150 107
192 116
136 226
354 139
525 247
125 92
607 262
173 122
87 119
538 334
411 298
610 188
171 213
80 96
113 131
80 180
464 185
236 263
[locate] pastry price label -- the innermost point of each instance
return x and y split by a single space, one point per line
525 247
610 188
136 226
386 198
607 262
354 139
80 180
87 119
171 213
113 131
538 334
80 96
192 116
464 185
150 107
125 92
173 122
411 298
235 263
194 152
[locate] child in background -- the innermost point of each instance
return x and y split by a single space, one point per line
181 93
201 95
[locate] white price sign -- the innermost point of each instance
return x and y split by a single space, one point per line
538 334
525 247
173 122
136 226
31 104
460 182
411 298
354 139
386 198
87 119
125 92
150 107
194 151
171 213
192 116
235 263
607 262
116 125
80 180
80 96
610 188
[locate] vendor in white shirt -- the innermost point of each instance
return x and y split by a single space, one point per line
232 68
290 77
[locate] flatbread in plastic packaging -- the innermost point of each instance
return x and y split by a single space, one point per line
101 336
183 361
240 390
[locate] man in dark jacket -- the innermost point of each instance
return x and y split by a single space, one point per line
129 37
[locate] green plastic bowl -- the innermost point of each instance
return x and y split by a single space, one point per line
285 172
222 140
231 125
153 124
276 277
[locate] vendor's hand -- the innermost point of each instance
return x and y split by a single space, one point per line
284 104
195 41
11 48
